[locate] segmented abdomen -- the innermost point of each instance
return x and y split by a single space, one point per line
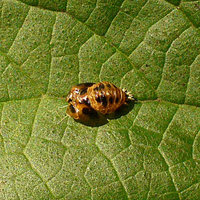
106 97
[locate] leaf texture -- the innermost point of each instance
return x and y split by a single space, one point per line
150 47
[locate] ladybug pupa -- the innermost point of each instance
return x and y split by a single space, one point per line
88 100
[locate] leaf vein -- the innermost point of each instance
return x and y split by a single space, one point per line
50 67
187 85
166 53
19 30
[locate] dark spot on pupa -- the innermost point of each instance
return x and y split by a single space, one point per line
108 85
101 86
98 99
72 109
117 100
86 111
69 100
86 84
96 89
111 100
103 100
83 91
89 111
86 101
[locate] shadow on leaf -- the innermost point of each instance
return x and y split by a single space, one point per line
97 119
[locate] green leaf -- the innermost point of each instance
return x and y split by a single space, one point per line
150 47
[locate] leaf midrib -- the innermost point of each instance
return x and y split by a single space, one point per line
62 98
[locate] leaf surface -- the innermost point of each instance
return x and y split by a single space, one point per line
150 47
